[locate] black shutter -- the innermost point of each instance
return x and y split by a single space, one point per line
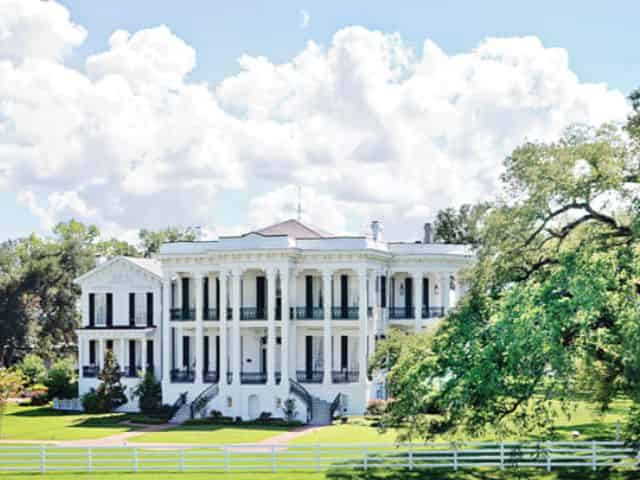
344 352
408 296
309 356
185 295
92 309
109 309
149 309
150 361
110 345
218 354
132 309
92 352
185 352
263 355
132 357
309 296
173 294
383 291
393 292
425 294
206 353
344 295
173 348
205 296
260 297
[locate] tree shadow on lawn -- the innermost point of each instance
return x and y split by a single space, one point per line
107 420
211 427
481 474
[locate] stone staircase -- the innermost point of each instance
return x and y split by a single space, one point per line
320 412
181 415
184 410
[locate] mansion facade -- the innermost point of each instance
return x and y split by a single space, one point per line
243 323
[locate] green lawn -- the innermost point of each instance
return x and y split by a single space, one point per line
44 423
476 474
212 434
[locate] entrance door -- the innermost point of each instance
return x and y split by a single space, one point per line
260 297
254 407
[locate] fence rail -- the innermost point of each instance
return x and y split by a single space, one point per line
275 458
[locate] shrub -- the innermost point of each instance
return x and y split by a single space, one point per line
91 402
238 420
110 392
264 417
39 398
289 409
375 408
33 369
60 380
215 414
149 392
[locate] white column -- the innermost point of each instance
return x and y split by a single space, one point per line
236 360
362 314
458 282
123 353
271 326
284 329
166 330
179 363
178 292
293 339
326 297
222 374
445 290
143 355
372 322
417 300
81 349
100 354
199 339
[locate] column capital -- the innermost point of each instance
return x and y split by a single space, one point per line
327 273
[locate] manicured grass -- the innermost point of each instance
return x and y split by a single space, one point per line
212 434
44 423
476 474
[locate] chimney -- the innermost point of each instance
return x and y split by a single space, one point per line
428 233
376 231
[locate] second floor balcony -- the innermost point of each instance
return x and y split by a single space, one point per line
183 314
309 376
131 372
90 371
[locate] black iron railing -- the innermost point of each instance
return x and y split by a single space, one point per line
229 377
210 376
253 313
309 376
401 312
183 314
90 371
182 376
210 314
345 313
345 376
309 313
131 372
432 312
253 378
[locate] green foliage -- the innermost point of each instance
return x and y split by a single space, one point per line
11 384
91 403
289 409
150 240
61 381
110 392
460 226
33 368
149 393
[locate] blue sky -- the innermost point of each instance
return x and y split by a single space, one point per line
600 38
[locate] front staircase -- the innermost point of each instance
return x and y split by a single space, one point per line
320 412
197 408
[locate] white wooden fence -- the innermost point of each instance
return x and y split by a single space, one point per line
276 458
68 404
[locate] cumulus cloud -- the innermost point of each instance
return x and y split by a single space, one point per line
369 127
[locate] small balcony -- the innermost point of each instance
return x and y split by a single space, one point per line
309 376
131 372
345 376
345 313
401 313
253 378
252 313
309 313
183 314
210 376
182 376
210 314
432 312
90 371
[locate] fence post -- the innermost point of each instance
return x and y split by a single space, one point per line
366 459
411 456
501 454
89 460
594 456
182 460
43 459
455 457
548 456
227 459
135 459
273 458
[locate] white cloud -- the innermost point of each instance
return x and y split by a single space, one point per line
305 18
370 128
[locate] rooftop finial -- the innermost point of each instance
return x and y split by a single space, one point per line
299 203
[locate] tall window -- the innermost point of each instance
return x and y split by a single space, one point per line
141 309
101 309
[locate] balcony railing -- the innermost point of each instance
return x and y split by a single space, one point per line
432 312
400 313
312 376
309 313
210 376
90 371
253 378
183 314
252 313
131 372
210 314
345 376
345 313
182 376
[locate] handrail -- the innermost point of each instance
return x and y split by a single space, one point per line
297 389
178 404
203 398
336 404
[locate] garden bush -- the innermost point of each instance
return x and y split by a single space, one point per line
33 369
149 393
91 402
60 380
375 408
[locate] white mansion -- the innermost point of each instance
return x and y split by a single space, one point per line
242 323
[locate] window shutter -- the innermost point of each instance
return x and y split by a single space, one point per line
149 309
109 309
92 309
132 309
205 296
383 291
